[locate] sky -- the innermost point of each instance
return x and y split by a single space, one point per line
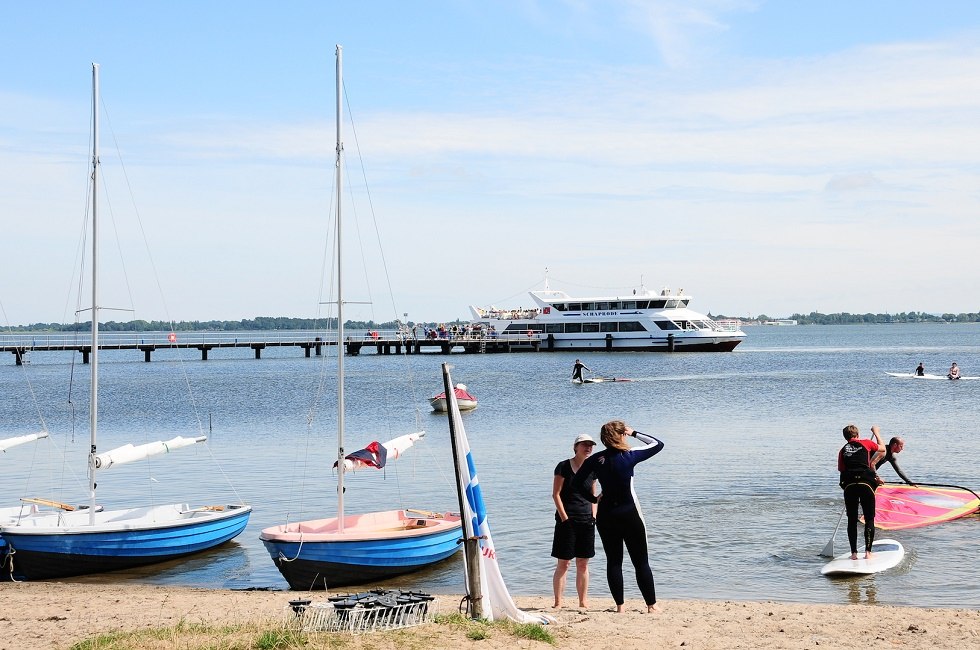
767 157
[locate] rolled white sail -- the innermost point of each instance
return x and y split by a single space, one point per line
394 448
7 443
130 453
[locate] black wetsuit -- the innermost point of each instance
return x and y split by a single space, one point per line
889 457
577 371
618 519
859 483
920 371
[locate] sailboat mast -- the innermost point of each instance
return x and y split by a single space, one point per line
94 398
340 301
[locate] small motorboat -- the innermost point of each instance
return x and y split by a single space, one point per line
466 401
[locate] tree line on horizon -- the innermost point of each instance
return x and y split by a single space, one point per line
845 318
273 323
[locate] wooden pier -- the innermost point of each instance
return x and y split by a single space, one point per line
312 343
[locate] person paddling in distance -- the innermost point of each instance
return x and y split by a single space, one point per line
859 482
577 371
920 370
954 372
574 523
895 445
618 518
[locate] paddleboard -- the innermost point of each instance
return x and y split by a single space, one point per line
602 380
908 375
886 553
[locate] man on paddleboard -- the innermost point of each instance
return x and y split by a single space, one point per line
954 371
577 371
859 482
895 445
920 370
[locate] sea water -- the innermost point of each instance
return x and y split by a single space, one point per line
738 505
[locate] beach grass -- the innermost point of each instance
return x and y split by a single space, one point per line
284 636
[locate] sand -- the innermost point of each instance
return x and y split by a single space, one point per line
56 615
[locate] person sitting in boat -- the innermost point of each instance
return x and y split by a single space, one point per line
954 372
895 445
920 370
577 371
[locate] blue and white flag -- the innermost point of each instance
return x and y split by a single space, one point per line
497 601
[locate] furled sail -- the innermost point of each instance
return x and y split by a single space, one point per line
911 506
7 443
497 601
130 453
377 454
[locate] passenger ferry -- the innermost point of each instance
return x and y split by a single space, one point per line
643 321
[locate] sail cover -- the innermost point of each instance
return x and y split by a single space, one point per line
497 601
7 443
130 453
377 453
911 506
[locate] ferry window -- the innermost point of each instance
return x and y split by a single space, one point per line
574 306
536 327
685 301
590 327
667 325
554 328
671 304
629 304
643 304
632 326
657 304
603 306
588 306
514 327
609 327
573 328
560 306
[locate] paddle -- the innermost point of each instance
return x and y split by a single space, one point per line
828 550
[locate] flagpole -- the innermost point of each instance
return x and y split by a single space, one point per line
471 545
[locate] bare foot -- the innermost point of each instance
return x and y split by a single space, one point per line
620 609
583 604
556 606
653 609
854 556
868 555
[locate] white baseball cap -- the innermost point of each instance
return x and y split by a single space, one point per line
583 437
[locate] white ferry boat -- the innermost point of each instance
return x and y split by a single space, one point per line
643 321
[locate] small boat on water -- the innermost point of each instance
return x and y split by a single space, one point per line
466 400
69 542
641 321
350 549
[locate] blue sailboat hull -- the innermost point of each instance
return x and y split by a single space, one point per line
39 554
326 564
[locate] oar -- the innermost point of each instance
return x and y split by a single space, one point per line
828 550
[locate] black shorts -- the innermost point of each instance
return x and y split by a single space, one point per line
573 539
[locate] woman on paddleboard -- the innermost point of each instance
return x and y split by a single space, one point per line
859 482
574 522
618 518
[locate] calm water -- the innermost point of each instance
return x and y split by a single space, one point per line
738 505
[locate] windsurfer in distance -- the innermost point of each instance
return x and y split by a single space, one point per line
895 445
920 370
577 371
859 482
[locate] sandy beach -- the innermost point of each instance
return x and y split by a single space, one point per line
56 615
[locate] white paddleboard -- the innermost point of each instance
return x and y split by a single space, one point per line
886 553
908 375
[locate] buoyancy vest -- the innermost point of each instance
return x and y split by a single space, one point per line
855 459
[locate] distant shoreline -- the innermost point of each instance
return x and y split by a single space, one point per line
285 323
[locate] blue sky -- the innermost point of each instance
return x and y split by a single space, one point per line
767 157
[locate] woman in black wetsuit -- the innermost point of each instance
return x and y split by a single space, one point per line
619 520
